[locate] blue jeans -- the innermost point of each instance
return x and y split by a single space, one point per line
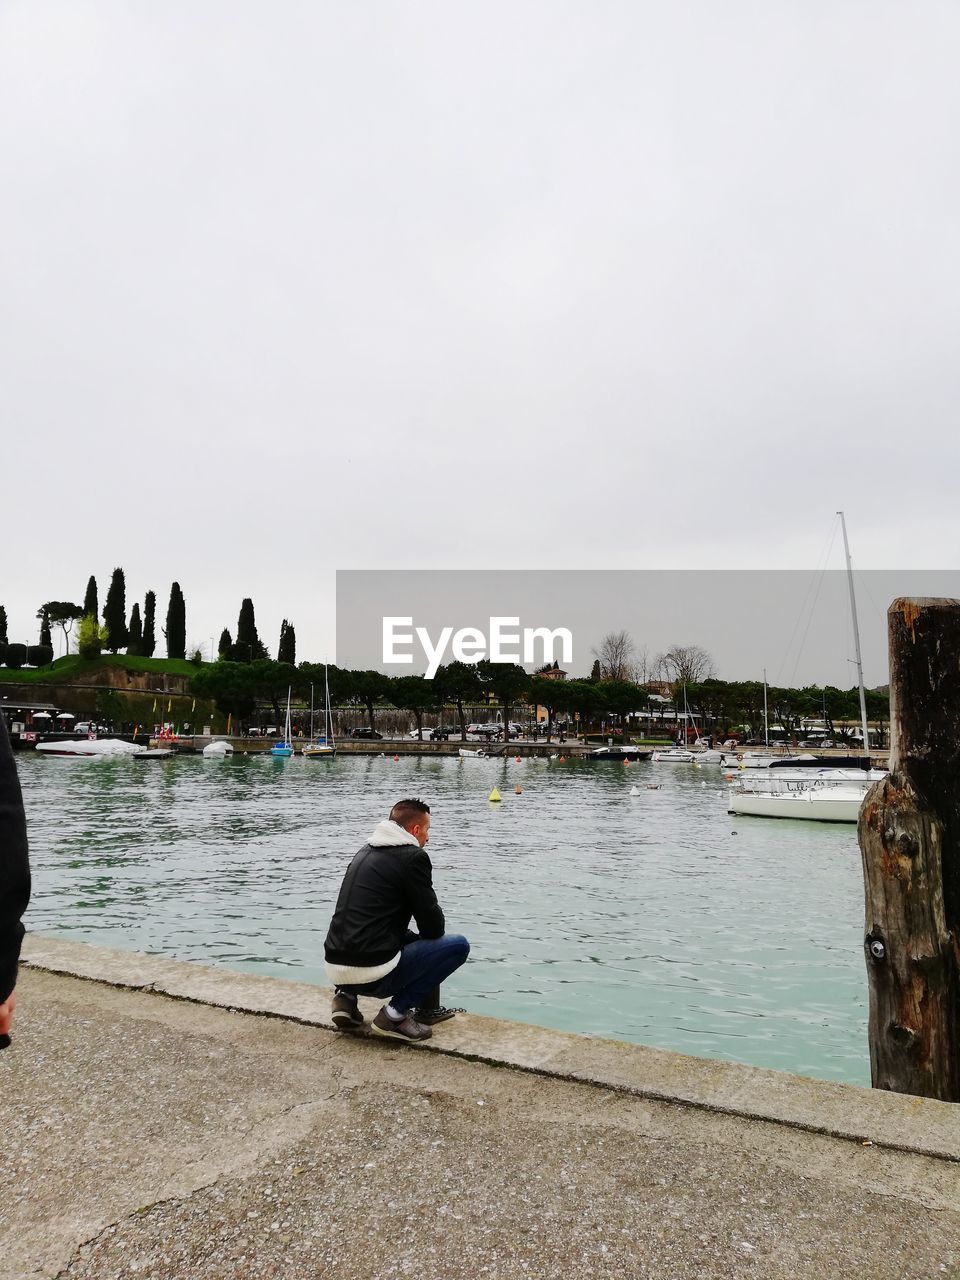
423 965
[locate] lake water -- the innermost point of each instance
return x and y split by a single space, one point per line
656 918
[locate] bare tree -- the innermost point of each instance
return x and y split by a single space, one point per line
686 664
642 668
615 653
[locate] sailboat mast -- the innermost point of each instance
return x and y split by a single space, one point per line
856 636
327 713
311 711
766 720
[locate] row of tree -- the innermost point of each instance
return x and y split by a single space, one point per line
723 708
248 647
136 634
18 655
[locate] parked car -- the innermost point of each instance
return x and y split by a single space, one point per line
365 732
486 730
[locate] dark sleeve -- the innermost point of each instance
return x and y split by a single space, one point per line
424 906
14 866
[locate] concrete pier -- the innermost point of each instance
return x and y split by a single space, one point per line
164 1120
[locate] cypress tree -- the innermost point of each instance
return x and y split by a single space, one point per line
115 612
249 646
3 625
45 637
176 628
225 645
595 672
149 641
135 631
90 601
287 649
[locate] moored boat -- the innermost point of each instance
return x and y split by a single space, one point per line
91 747
618 753
284 749
778 780
812 804
324 748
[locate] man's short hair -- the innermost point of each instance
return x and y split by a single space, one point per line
406 812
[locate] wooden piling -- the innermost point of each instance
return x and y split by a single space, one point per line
909 833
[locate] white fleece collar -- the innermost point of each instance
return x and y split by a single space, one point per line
387 833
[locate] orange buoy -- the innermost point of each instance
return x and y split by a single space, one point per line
562 758
517 790
396 758
518 759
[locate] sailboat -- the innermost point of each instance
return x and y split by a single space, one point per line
324 748
285 747
817 803
698 753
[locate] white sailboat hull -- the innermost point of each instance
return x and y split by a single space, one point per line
822 804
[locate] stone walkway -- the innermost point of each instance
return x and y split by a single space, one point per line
157 1137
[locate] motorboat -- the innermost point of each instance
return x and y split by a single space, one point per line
779 780
758 759
217 750
91 747
618 753
811 804
673 755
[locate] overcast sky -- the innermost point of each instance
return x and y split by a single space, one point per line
295 287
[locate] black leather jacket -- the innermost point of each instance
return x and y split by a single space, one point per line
383 887
14 866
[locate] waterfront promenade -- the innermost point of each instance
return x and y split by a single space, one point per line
173 1120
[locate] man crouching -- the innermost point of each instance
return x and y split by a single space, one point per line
370 950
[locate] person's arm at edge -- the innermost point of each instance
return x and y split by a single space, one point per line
14 867
424 906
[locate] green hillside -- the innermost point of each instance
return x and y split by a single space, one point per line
69 668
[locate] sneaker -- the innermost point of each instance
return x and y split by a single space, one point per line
346 1013
408 1029
430 1017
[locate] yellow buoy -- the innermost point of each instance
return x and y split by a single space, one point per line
494 795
